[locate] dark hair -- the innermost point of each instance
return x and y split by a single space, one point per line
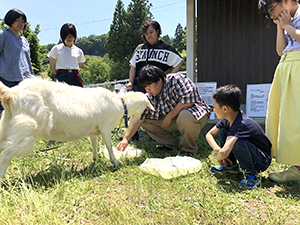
150 74
228 95
12 15
264 5
66 29
143 29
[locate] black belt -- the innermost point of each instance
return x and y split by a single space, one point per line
69 70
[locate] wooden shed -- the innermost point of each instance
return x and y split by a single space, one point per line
235 43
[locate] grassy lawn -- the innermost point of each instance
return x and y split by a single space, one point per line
64 186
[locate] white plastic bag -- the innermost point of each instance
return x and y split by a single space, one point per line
123 90
171 167
130 152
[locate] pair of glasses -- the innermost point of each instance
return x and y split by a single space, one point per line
270 10
21 22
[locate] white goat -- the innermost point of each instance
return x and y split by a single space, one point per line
42 109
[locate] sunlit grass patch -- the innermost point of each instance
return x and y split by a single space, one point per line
64 186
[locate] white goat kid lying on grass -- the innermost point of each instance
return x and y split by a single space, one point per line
42 109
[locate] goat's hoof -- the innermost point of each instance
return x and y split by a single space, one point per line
95 159
116 163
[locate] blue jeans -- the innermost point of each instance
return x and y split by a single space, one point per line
251 158
69 78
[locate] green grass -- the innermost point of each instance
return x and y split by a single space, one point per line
64 186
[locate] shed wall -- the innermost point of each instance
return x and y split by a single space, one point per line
236 44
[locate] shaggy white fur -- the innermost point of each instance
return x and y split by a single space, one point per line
42 109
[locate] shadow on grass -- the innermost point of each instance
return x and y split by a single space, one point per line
230 183
57 172
287 191
290 191
150 151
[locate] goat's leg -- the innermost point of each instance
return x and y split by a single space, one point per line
19 141
14 147
95 147
5 159
107 139
4 127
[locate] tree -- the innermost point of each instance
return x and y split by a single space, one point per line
166 39
183 55
177 41
95 70
92 45
85 44
137 12
183 41
116 38
1 24
35 48
124 36
49 46
119 70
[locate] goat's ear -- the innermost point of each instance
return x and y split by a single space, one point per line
133 119
5 95
150 106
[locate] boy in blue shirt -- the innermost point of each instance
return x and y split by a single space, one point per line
241 138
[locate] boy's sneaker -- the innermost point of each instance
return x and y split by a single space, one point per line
250 181
290 175
229 168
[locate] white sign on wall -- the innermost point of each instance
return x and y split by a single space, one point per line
206 89
257 99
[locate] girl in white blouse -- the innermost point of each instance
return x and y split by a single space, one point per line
65 58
